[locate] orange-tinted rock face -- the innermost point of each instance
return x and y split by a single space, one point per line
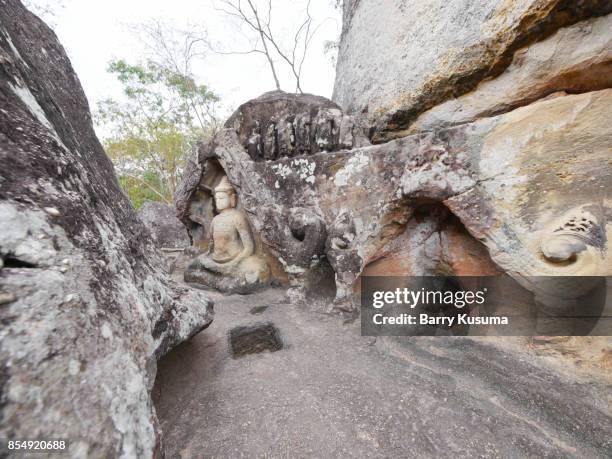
463 254
402 59
397 264
432 244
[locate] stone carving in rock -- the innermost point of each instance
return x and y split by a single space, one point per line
505 178
231 264
343 256
299 236
279 124
288 224
254 145
569 236
574 245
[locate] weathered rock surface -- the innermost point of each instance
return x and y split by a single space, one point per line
520 184
540 167
515 181
85 306
278 124
399 58
404 397
575 59
161 221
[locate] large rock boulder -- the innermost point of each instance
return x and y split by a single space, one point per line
278 124
167 230
507 171
574 59
512 180
264 131
399 58
85 306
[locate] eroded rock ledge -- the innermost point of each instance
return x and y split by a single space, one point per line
398 59
85 305
278 125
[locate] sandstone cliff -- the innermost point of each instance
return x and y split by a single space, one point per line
535 75
400 58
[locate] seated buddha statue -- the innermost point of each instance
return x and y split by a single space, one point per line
231 264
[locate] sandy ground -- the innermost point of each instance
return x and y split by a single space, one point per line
332 393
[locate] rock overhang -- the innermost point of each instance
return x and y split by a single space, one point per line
351 195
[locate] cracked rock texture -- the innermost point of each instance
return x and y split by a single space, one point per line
491 148
161 221
278 124
400 58
85 306
574 59
415 205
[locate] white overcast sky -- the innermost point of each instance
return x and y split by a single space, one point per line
95 32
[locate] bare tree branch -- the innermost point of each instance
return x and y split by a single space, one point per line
260 23
178 58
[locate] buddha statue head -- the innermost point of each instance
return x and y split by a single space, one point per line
225 195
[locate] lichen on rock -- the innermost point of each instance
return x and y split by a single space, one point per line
87 307
486 173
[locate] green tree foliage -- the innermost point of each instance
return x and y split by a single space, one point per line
151 133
